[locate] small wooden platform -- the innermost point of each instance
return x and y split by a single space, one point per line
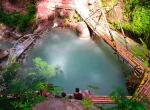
96 99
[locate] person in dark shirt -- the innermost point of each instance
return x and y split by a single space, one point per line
77 94
63 94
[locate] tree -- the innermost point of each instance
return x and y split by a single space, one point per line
24 85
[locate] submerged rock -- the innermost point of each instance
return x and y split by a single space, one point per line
83 30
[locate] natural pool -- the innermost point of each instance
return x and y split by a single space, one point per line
5 44
83 62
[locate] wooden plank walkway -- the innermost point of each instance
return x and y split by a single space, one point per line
19 49
137 64
96 99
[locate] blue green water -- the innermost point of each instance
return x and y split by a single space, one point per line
5 44
83 62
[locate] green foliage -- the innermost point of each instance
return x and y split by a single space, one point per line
41 73
16 87
26 19
142 51
139 22
6 19
44 68
27 105
8 74
138 14
56 90
31 10
24 87
86 102
116 25
124 103
23 23
108 4
49 87
18 19
66 24
77 17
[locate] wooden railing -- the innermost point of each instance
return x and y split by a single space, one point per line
18 49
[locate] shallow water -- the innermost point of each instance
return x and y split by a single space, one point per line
83 62
5 44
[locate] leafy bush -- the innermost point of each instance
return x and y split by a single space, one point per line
124 103
138 14
140 21
26 19
24 87
18 19
86 102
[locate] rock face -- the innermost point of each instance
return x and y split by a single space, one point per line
58 104
3 53
83 30
52 103
12 35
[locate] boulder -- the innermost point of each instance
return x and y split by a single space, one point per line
6 35
3 53
83 30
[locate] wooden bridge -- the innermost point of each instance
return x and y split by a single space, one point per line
98 26
101 28
97 99
18 49
20 46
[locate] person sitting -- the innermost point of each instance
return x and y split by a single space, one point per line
45 93
63 94
87 93
78 95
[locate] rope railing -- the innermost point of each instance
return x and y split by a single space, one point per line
123 51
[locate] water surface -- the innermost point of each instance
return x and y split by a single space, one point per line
83 62
5 44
